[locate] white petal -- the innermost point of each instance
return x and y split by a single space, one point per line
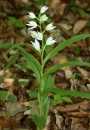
36 45
43 18
50 41
43 9
32 24
36 35
33 34
50 27
31 15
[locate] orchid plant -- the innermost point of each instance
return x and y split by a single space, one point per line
39 45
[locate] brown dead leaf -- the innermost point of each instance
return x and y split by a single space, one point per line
59 120
78 114
59 59
15 108
84 105
79 25
65 26
7 122
83 72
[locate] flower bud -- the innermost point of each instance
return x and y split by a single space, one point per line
36 45
50 27
36 35
43 18
50 41
32 24
43 9
31 15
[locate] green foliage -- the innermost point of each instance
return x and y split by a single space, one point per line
11 61
67 93
78 10
71 2
72 63
11 98
60 99
88 24
39 121
39 2
14 21
5 45
2 78
26 6
64 44
3 95
77 51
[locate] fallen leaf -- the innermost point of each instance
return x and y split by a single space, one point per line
79 25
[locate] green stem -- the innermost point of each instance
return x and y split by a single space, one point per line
41 78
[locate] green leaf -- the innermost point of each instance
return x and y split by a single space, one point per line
13 47
66 99
32 62
39 2
88 24
48 82
45 108
5 45
11 61
64 44
72 63
39 121
2 78
11 98
55 102
12 20
67 93
20 24
26 6
81 11
3 95
30 46
33 95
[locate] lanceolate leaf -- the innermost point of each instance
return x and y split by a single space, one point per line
5 45
72 63
11 61
34 69
33 63
13 47
64 44
66 93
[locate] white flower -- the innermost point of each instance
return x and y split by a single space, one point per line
36 35
31 15
43 18
32 24
50 27
36 45
43 9
50 41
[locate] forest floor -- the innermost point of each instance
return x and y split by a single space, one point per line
72 17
